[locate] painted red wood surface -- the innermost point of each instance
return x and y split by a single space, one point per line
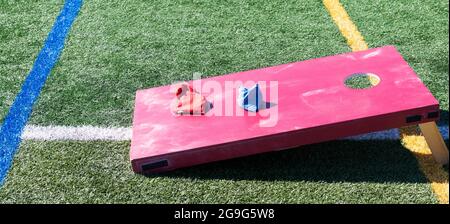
313 106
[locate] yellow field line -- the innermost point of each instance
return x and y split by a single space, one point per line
410 136
348 29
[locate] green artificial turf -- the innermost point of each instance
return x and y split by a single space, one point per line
24 25
333 172
117 47
361 81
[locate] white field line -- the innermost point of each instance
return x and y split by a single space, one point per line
92 133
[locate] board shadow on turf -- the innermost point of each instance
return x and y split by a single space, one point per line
334 161
443 120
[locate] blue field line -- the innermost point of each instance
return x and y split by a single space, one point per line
17 117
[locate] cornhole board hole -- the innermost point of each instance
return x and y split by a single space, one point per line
313 105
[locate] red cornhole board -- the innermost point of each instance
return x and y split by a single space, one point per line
313 106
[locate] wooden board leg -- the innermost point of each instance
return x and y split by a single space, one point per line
435 141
